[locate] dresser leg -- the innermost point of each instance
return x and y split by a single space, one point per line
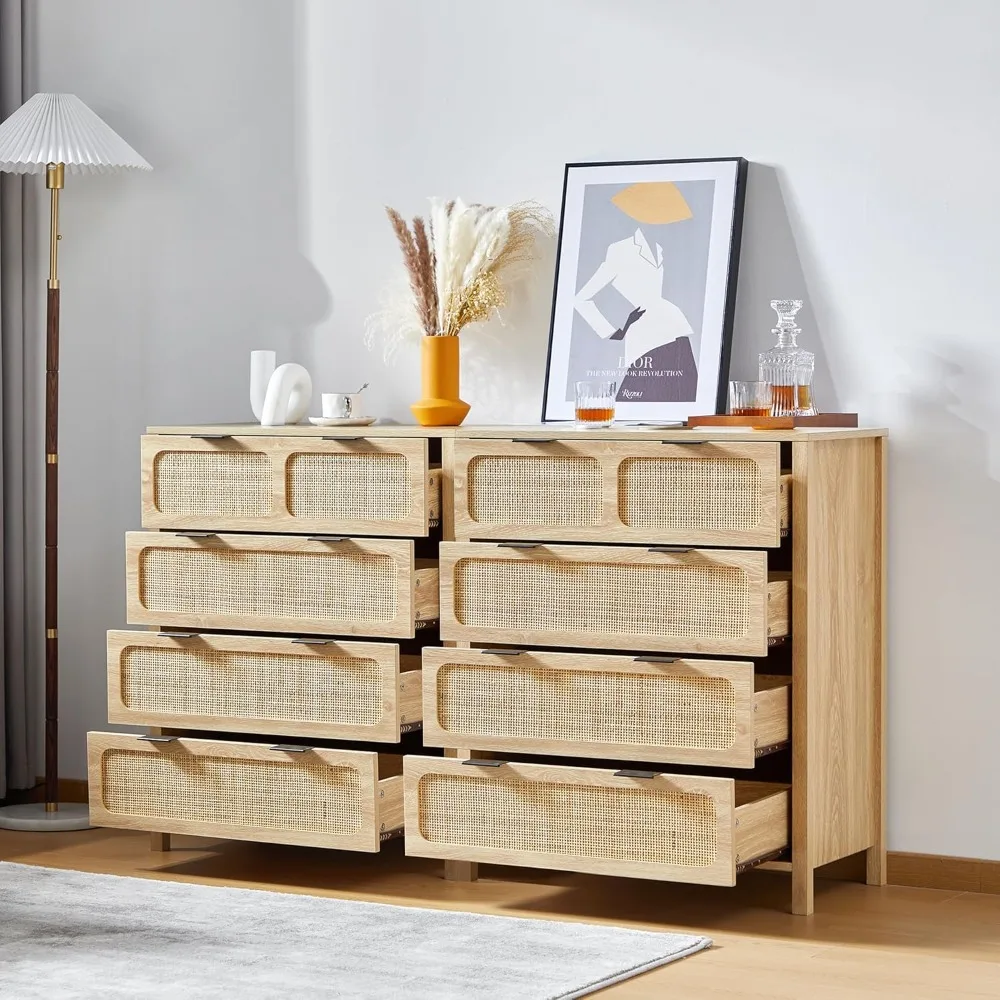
876 865
461 871
802 889
159 841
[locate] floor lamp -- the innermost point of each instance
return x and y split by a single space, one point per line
50 133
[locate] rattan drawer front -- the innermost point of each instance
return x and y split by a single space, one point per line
614 597
377 486
279 583
718 493
708 712
251 684
247 791
659 826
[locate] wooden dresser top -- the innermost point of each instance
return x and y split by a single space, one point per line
563 431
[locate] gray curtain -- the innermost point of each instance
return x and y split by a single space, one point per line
21 666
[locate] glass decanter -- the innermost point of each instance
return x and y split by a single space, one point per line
788 367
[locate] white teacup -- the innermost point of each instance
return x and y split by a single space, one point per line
341 405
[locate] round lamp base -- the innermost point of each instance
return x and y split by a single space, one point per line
32 816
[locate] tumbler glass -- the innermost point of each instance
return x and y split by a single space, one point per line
595 403
750 399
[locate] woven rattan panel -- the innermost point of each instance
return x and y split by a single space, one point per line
535 489
270 795
683 600
241 685
721 494
364 487
352 586
590 821
653 710
220 483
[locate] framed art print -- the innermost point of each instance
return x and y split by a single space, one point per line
646 285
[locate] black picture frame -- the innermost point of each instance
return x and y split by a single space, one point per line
728 305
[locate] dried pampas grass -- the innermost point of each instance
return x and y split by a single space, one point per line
419 260
459 265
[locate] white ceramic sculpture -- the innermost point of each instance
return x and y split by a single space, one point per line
278 395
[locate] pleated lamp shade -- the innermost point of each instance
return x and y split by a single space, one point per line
60 128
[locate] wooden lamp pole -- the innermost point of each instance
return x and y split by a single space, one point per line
55 174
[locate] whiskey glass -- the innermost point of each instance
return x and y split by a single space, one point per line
750 399
595 403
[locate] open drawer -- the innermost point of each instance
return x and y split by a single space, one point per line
279 583
635 823
346 799
688 600
650 708
362 485
694 492
323 688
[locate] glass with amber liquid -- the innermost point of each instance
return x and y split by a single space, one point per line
788 367
749 399
595 403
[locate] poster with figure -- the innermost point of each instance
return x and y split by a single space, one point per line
646 286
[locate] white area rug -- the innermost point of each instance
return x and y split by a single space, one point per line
74 936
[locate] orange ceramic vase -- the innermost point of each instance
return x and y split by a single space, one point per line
440 405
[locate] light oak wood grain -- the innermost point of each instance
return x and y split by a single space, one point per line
730 800
767 612
415 584
490 477
514 682
390 804
838 658
185 753
565 431
568 431
380 430
204 649
422 488
877 865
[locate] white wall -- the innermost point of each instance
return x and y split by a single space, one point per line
278 130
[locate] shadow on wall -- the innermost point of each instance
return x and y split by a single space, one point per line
503 361
170 278
944 550
771 267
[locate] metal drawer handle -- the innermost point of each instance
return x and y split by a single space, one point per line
328 538
331 437
519 545
628 773
484 763
211 437
313 642
685 442
669 548
655 659
290 748
179 635
501 652
197 534
157 739
534 440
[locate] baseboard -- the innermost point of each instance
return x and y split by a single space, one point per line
936 871
70 790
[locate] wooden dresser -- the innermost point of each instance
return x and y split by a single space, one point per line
660 653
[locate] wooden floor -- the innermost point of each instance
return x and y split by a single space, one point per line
862 942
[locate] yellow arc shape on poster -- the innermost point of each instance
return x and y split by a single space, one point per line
655 202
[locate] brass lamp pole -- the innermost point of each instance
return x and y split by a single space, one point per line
50 132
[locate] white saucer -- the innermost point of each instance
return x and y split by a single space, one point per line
342 421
